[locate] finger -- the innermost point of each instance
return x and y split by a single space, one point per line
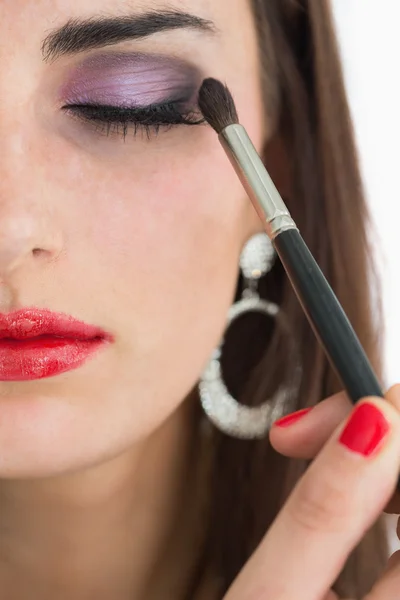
332 506
306 436
393 562
388 586
393 397
331 596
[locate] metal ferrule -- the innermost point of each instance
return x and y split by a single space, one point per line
255 178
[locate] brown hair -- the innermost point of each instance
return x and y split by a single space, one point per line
304 95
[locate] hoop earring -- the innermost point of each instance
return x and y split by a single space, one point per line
228 415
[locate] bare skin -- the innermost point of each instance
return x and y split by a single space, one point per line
337 500
100 466
103 475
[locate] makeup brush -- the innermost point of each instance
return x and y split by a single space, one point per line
322 308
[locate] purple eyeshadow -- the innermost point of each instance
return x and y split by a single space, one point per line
132 80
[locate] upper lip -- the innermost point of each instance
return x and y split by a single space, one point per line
34 322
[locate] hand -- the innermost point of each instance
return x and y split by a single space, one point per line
336 501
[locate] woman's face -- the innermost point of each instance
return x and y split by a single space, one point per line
137 232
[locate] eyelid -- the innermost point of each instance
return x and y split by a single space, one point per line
138 78
114 119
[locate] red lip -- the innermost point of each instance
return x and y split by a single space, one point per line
36 343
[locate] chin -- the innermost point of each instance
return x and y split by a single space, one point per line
44 437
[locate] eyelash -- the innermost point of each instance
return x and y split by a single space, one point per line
113 119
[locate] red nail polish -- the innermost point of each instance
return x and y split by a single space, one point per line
365 430
292 418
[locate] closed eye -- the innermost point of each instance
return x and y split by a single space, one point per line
121 120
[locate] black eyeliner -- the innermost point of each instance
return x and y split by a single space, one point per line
151 118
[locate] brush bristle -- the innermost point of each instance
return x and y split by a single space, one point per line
217 105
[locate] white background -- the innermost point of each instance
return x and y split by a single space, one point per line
369 33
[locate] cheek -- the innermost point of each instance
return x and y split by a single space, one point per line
164 234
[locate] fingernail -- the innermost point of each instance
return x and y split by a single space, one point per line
292 418
365 430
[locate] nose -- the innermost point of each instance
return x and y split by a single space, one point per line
25 235
28 233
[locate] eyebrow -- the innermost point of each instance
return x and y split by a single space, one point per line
80 35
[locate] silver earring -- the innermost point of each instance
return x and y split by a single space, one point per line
228 415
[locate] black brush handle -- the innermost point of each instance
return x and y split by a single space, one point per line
327 317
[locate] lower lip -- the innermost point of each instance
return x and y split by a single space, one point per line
46 356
